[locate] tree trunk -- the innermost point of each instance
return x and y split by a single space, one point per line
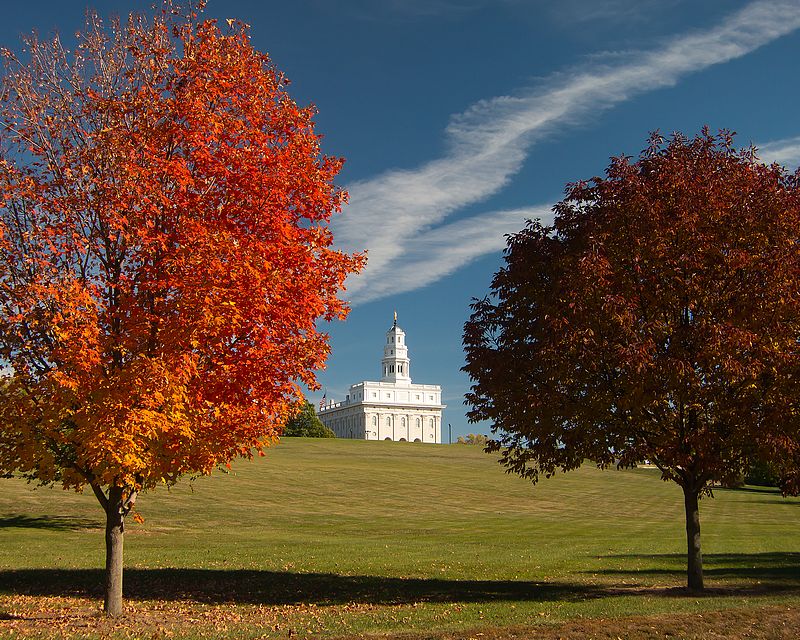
694 570
115 531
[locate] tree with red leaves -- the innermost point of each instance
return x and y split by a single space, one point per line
164 258
657 320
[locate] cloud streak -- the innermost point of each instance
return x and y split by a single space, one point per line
442 251
785 152
398 215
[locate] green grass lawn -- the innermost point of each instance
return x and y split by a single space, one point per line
339 537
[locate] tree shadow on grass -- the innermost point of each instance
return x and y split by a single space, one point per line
751 488
54 523
773 571
772 503
246 586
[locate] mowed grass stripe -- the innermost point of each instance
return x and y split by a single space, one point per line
413 536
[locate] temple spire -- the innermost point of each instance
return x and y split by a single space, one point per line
395 365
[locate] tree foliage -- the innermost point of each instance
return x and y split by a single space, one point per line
306 424
658 319
476 439
164 253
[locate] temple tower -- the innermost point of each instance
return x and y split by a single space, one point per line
390 409
396 365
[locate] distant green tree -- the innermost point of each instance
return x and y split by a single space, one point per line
306 424
763 474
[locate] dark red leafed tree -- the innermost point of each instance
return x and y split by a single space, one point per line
658 320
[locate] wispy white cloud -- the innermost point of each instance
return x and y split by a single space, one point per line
785 152
399 212
445 249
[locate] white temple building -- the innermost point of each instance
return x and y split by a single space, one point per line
392 409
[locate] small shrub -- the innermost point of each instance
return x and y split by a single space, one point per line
473 438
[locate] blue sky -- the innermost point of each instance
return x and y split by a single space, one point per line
460 119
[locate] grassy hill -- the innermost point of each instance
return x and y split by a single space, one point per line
337 536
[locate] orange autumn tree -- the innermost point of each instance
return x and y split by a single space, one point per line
164 258
658 319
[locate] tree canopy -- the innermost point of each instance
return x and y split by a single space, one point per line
305 424
657 319
164 254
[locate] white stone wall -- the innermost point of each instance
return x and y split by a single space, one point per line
397 392
411 425
389 420
345 422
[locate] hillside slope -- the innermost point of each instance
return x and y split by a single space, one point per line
404 536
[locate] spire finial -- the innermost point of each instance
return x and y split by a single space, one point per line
395 318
